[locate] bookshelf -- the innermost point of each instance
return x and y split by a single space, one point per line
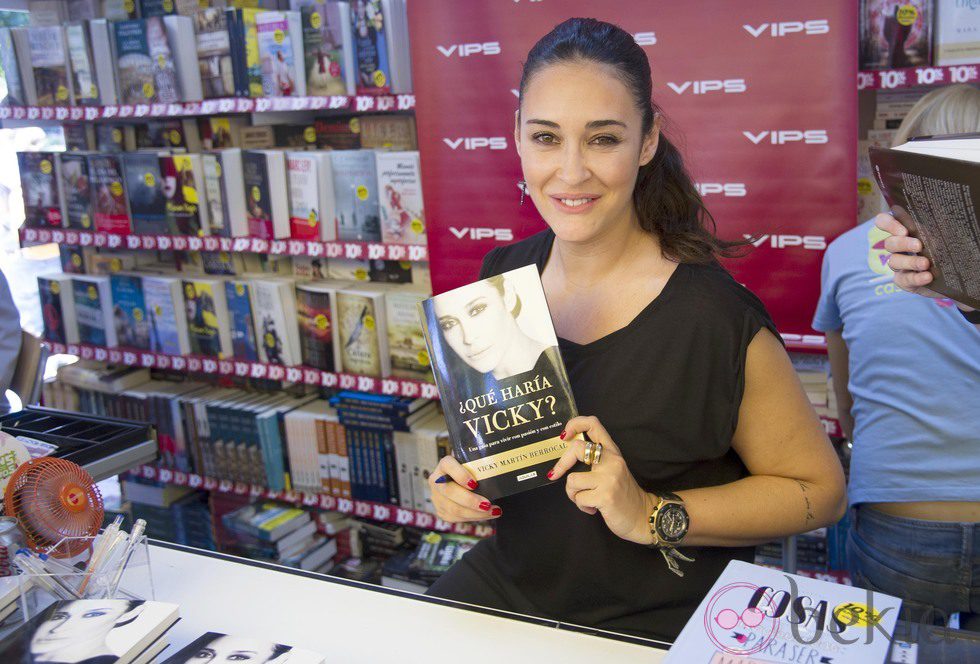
357 104
259 370
915 77
284 247
360 508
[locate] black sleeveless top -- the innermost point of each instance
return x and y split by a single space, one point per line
667 388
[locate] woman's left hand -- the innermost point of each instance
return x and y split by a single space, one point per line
608 488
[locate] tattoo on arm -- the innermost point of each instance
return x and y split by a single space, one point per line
806 500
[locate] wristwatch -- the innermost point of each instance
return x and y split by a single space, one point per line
972 316
669 520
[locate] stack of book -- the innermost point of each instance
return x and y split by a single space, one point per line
164 52
280 533
417 569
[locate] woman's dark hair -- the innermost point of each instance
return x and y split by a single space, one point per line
667 202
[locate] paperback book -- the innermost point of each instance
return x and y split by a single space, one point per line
110 210
932 186
362 331
406 343
76 191
93 310
358 217
146 67
400 190
368 26
895 33
214 646
206 309
183 179
164 300
280 40
84 86
315 303
39 183
129 311
11 69
266 199
501 378
58 308
144 186
214 54
276 327
49 59
243 344
324 49
311 198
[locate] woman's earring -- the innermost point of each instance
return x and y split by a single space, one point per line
522 185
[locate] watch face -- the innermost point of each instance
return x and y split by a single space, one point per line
672 523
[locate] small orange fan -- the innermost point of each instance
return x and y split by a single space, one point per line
53 499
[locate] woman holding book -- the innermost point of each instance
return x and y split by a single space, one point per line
695 418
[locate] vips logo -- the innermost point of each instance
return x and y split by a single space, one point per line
498 234
477 143
466 50
728 86
810 242
785 136
726 189
645 38
786 28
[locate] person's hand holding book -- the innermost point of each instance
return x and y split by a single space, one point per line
452 494
911 269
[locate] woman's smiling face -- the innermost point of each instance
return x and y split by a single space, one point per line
579 135
477 324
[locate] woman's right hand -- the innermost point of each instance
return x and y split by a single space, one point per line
911 271
454 498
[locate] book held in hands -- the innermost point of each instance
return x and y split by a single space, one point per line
932 185
503 385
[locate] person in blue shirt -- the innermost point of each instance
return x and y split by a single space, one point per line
907 378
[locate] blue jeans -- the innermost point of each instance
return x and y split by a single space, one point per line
934 567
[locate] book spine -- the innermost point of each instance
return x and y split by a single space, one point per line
343 454
391 467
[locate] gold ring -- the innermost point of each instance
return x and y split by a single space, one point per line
589 449
597 454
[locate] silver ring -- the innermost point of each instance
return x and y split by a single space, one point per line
589 449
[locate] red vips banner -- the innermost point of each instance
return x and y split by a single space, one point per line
759 96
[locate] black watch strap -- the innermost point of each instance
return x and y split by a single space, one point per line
972 316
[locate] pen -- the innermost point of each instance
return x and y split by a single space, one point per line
135 535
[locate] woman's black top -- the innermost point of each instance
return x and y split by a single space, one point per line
667 388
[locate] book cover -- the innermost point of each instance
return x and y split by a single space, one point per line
358 217
957 38
78 137
324 49
268 521
278 54
500 375
182 186
49 58
242 324
167 322
359 317
214 53
77 192
217 647
338 133
276 324
389 132
400 191
150 8
110 137
58 309
895 33
220 132
72 258
311 198
145 63
207 317
38 181
919 186
253 60
157 134
258 206
368 25
11 71
107 631
406 343
129 311
144 186
109 209
84 85
748 615
93 310
314 309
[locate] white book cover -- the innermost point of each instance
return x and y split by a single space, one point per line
103 42
957 33
84 86
363 331
229 170
276 325
406 459
183 45
757 614
22 51
93 310
400 191
280 39
164 300
427 433
311 198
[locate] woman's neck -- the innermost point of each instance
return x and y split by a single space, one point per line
604 257
521 356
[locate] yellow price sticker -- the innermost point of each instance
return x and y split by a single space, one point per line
423 358
362 192
148 90
315 20
217 169
309 135
361 274
270 340
158 310
117 135
223 256
240 290
92 293
62 93
312 219
417 226
189 291
369 322
138 315
161 61
278 36
46 166
854 614
149 180
174 137
355 125
129 6
256 194
86 222
55 287
76 260
168 6
93 91
321 322
405 265
379 78
115 265
432 538
907 14
864 187
116 188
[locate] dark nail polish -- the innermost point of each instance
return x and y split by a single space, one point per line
485 506
442 479
562 435
496 512
471 484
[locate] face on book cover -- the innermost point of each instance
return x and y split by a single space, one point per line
77 631
225 649
478 324
579 136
